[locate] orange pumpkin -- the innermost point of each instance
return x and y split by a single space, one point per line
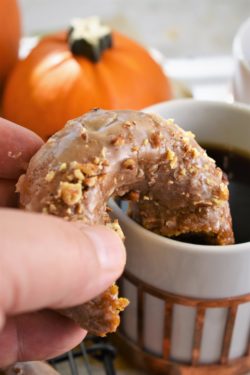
9 36
53 85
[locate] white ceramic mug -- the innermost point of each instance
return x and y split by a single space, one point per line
241 54
199 271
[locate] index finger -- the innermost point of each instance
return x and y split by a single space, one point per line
17 146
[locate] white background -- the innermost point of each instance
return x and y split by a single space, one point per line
178 28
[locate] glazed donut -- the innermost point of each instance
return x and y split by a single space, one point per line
30 368
173 184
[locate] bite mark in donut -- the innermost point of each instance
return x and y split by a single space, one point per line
175 188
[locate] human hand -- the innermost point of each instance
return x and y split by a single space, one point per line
45 263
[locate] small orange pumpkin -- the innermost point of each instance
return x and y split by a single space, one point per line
54 84
9 36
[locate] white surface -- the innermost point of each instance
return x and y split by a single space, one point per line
194 270
175 27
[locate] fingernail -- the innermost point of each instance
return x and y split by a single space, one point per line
109 248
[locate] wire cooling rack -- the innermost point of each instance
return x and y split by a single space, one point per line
93 356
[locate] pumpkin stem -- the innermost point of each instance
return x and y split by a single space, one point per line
89 38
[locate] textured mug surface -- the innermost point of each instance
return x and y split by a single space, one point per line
199 271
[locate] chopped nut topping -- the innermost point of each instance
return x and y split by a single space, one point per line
50 175
84 134
186 140
170 155
79 208
70 177
155 139
170 121
118 141
190 134
193 170
145 142
52 208
105 163
127 124
194 152
89 169
224 193
183 172
131 137
103 152
97 160
209 181
146 198
45 210
116 227
129 164
90 181
203 203
211 160
63 167
217 202
74 164
135 148
78 174
69 211
70 193
219 173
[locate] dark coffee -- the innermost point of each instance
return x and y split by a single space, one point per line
237 167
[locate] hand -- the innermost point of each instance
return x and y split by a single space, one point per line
45 263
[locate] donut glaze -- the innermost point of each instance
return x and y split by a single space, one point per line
175 188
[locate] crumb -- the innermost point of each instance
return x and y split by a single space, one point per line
62 167
116 227
118 141
70 193
90 181
155 139
78 175
49 176
89 169
14 156
129 164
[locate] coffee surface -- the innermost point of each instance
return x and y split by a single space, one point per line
236 165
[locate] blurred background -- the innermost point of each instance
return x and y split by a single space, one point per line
177 28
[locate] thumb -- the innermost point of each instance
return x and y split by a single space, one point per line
48 262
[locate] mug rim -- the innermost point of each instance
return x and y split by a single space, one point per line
184 246
239 106
237 43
